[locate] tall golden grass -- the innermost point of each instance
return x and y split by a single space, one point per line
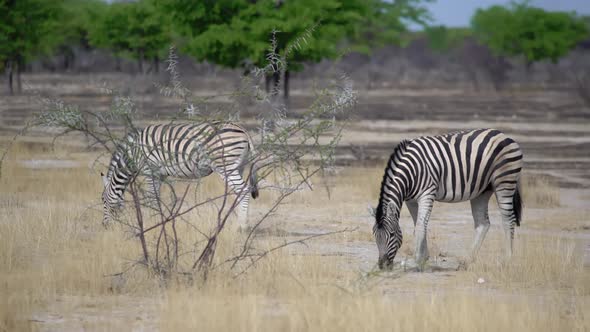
293 293
55 257
539 261
540 191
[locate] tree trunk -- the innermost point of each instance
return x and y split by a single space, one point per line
69 58
140 61
117 63
370 73
10 68
156 64
286 85
267 79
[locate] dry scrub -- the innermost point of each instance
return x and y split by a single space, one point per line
538 262
540 191
290 292
54 257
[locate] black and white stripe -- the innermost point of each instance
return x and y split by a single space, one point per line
468 165
186 150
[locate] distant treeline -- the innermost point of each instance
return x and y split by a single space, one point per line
238 33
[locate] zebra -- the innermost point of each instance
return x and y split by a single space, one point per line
182 150
466 165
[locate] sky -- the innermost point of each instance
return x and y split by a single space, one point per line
457 13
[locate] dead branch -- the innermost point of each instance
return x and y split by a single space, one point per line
284 150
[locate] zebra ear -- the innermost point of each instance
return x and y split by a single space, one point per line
104 179
372 210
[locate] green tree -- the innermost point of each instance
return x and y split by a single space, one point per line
308 30
237 33
110 30
132 29
149 35
387 23
26 31
444 39
533 33
78 17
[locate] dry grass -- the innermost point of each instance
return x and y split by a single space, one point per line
340 312
539 262
540 191
295 299
50 243
55 258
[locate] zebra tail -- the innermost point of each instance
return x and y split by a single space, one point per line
253 171
253 182
517 204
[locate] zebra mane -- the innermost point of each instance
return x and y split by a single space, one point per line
120 149
398 151
400 148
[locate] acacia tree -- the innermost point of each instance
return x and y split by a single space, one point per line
528 32
26 31
236 33
77 19
110 30
190 19
132 29
444 39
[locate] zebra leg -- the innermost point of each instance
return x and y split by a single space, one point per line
505 203
481 219
413 208
236 183
424 209
154 183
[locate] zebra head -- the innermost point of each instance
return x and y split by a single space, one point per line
388 234
111 201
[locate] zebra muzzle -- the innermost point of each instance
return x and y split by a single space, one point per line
385 263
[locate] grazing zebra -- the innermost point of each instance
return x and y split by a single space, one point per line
186 150
467 165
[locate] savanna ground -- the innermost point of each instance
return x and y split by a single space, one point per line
59 267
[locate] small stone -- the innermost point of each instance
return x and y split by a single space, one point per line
481 280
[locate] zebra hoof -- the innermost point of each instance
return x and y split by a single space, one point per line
420 264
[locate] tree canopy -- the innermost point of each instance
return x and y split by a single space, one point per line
522 30
386 23
237 33
131 29
26 31
442 38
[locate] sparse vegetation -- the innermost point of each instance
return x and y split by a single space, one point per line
540 191
61 270
54 252
285 150
539 261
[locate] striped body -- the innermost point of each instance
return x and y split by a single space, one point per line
186 150
456 167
